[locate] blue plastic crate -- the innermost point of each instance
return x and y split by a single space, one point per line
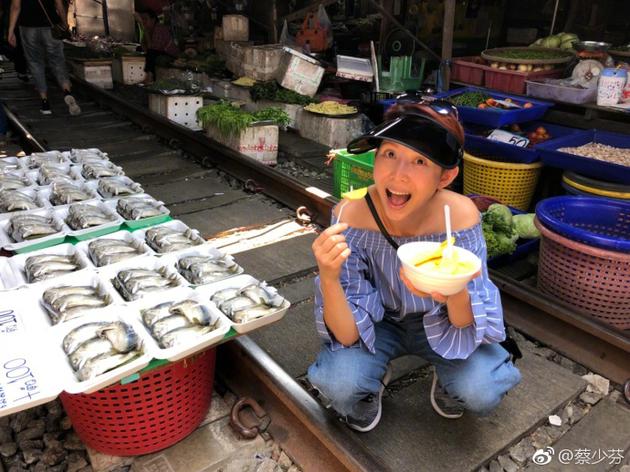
479 145
583 165
496 117
594 221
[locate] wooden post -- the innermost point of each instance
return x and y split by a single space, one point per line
447 40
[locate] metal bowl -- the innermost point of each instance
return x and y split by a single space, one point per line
591 46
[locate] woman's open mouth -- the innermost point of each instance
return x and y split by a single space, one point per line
397 199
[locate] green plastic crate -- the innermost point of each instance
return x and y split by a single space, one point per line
352 170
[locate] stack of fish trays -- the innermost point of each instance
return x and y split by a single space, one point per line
102 281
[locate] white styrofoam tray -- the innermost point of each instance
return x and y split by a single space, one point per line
203 250
45 192
33 161
25 176
117 169
40 319
113 203
79 156
108 273
123 235
63 211
9 244
67 169
17 276
11 161
95 185
71 382
32 192
176 225
241 281
179 352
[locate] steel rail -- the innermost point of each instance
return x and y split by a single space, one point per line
283 188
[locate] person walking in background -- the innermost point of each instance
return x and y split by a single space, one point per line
15 54
157 41
36 20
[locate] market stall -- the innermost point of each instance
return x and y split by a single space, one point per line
111 304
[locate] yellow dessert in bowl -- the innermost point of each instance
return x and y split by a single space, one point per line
429 271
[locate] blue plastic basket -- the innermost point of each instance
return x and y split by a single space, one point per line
496 117
583 165
479 145
594 221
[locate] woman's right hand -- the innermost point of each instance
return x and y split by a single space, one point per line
12 39
331 251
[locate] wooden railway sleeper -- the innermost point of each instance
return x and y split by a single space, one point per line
236 421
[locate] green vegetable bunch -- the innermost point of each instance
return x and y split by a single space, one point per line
501 230
528 54
230 120
469 99
273 92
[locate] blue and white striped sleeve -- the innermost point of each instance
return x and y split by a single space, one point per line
363 299
451 342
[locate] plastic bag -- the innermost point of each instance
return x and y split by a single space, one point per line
285 37
324 23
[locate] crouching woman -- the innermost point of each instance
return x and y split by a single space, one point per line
367 312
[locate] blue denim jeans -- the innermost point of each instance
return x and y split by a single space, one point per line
346 376
39 45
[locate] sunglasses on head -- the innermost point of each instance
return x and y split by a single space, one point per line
442 107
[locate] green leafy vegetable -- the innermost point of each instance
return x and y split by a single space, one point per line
469 99
500 217
273 92
524 226
231 120
528 54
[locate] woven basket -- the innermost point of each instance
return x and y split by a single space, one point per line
595 281
511 183
162 407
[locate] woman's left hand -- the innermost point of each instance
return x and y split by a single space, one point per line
438 297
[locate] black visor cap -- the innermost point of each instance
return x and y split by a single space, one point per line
421 134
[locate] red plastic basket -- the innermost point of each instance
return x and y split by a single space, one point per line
159 409
512 81
595 281
469 70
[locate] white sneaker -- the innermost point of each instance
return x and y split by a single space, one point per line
73 107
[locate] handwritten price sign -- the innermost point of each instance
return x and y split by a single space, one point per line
18 383
9 324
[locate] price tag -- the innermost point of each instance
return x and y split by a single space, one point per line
10 326
18 383
508 138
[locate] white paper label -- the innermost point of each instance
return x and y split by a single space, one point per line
18 383
508 138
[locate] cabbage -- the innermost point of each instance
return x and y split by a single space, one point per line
568 36
499 217
524 226
554 42
567 44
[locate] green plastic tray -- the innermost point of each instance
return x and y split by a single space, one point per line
133 225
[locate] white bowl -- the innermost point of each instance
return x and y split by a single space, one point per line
429 281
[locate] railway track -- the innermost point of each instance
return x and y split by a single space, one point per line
576 336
